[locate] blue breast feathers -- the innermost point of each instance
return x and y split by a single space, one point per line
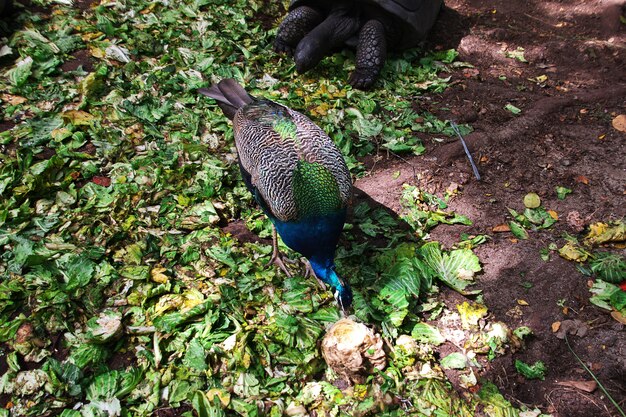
314 237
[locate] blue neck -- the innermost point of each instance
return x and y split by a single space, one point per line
324 268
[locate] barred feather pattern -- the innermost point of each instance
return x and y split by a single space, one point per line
269 150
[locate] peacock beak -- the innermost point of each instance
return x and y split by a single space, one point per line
344 308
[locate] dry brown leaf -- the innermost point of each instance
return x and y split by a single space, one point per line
13 100
553 214
618 316
619 123
556 326
501 228
573 327
582 180
522 302
587 386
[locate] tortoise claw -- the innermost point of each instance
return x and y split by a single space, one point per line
363 79
282 47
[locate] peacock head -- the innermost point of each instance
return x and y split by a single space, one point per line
341 290
343 295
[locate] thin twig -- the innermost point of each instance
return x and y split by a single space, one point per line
467 152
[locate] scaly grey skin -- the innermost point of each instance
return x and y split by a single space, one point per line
340 25
371 53
379 25
315 39
298 23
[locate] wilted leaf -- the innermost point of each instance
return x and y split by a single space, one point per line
602 292
425 333
609 267
619 122
106 327
495 402
562 192
78 117
573 252
195 356
518 231
587 386
618 300
512 109
452 267
158 275
471 313
534 371
20 73
454 360
78 271
600 233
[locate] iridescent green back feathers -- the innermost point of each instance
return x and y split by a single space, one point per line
315 190
293 168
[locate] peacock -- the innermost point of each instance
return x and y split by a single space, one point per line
297 176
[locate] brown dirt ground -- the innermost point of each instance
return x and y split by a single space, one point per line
563 134
563 137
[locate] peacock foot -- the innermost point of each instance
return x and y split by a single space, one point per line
308 272
278 260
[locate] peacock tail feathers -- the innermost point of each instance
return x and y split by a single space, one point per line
230 96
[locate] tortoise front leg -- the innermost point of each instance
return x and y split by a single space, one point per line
371 53
333 32
296 25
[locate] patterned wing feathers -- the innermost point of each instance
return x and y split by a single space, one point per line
293 164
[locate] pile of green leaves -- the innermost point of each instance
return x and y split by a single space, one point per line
535 217
120 292
608 267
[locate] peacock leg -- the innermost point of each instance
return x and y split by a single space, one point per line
308 272
277 258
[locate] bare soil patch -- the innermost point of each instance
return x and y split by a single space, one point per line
569 89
